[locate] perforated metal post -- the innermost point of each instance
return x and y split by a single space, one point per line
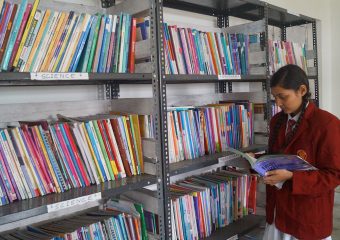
315 48
111 90
283 33
160 117
108 3
223 21
264 12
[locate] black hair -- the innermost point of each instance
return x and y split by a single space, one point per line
289 77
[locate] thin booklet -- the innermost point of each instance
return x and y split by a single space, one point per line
267 163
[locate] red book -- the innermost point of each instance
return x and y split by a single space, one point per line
79 161
115 151
8 31
131 66
37 162
20 33
106 144
4 16
67 156
122 150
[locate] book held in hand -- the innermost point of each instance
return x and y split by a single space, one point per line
267 163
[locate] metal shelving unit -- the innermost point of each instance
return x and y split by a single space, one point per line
252 10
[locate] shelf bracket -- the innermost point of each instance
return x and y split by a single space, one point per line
108 3
112 90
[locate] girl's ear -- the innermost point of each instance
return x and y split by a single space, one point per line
303 90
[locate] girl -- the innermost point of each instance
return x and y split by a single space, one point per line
299 205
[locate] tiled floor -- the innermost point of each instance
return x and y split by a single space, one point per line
257 233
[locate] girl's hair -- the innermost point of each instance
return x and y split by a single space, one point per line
289 77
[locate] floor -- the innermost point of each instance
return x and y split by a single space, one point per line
257 233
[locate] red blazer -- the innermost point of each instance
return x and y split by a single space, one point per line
304 205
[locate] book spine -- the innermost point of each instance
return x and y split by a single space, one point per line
132 51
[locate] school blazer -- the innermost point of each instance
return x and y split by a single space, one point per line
304 205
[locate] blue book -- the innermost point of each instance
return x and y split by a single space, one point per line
104 46
94 146
53 161
88 46
126 42
80 46
122 226
67 171
67 42
14 34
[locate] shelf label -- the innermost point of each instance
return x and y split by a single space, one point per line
46 76
227 77
74 202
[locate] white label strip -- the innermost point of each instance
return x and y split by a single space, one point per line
45 76
73 202
227 77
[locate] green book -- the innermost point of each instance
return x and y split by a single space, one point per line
85 58
102 148
94 44
140 210
117 47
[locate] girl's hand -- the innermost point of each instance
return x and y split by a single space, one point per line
276 176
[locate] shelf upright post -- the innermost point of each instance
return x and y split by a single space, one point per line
160 119
264 13
108 3
222 22
315 49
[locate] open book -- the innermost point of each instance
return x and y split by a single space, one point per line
267 163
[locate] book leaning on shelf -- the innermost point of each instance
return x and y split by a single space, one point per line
267 163
45 40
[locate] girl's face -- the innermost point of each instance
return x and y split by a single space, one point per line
290 101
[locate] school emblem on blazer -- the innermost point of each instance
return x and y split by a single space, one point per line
302 154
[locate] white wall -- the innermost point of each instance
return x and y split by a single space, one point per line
327 12
335 34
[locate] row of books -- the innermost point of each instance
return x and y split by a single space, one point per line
120 220
189 51
44 40
260 108
202 204
194 132
283 53
40 158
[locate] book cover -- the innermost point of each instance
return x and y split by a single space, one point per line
8 31
26 32
36 23
19 36
13 35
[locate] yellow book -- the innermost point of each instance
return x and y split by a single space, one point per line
129 145
54 42
82 126
26 32
84 19
138 139
48 161
64 45
37 40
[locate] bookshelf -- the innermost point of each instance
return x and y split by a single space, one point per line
152 73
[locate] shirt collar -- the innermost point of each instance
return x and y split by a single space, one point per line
296 117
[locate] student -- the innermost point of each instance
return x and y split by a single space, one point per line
299 205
